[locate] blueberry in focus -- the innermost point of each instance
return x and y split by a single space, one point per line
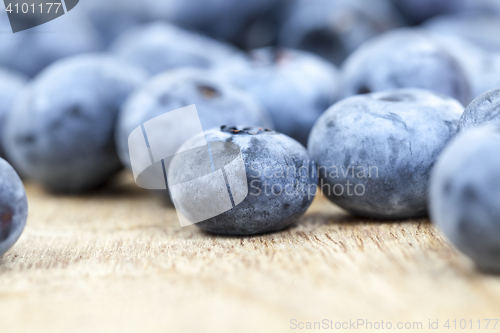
32 50
484 109
405 58
13 207
61 130
158 47
280 176
465 195
296 87
375 152
11 84
335 28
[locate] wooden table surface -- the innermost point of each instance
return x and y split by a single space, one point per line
117 261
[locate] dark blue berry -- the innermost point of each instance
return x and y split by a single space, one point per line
159 46
13 207
61 131
406 58
375 152
465 195
280 177
296 87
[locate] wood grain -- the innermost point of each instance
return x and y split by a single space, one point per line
117 261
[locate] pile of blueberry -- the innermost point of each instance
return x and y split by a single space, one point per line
375 89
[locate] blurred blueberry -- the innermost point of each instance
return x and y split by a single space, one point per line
335 28
32 50
475 6
465 195
405 58
263 30
480 29
217 103
158 47
375 151
113 17
13 207
60 132
245 23
280 177
296 87
10 85
482 67
417 11
484 109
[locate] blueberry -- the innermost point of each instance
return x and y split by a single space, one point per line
231 20
405 58
294 86
32 50
465 195
335 28
262 30
217 103
479 6
484 109
480 29
10 85
417 11
112 17
13 207
375 152
280 177
158 47
483 68
60 132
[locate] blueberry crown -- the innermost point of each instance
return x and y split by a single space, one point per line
245 130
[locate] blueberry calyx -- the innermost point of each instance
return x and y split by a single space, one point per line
245 130
208 91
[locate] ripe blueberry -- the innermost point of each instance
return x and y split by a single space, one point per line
479 29
465 195
32 50
484 109
217 102
405 58
482 67
231 20
295 87
158 47
60 132
280 176
10 85
335 28
375 151
13 207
